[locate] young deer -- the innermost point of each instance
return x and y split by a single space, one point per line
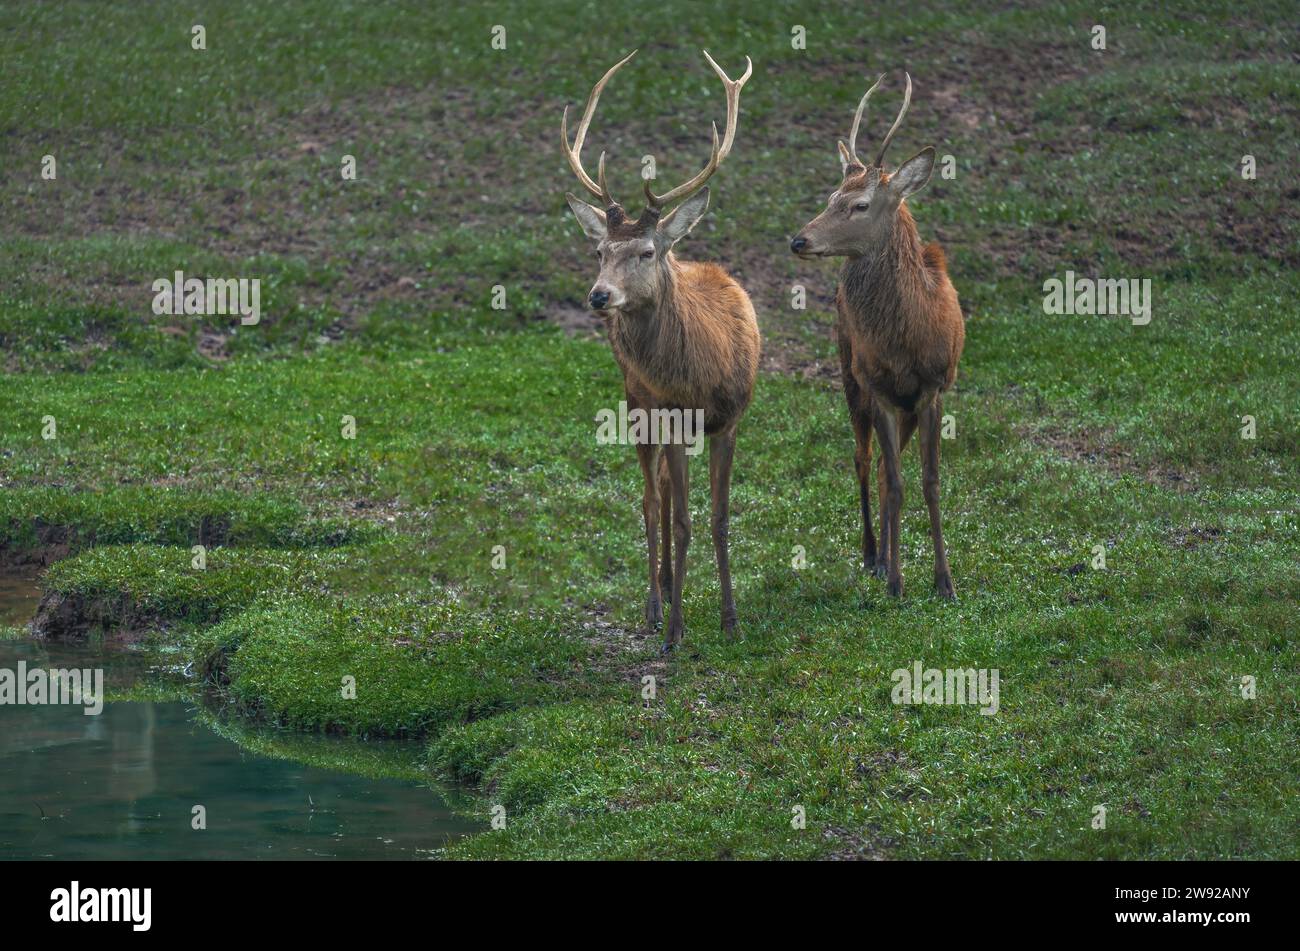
686 338
900 333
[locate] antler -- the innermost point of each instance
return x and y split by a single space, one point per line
907 101
598 187
719 152
857 121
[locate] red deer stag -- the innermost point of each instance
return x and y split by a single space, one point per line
900 333
686 338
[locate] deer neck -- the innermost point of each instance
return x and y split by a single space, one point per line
885 284
652 336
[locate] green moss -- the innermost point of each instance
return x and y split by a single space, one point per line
388 668
30 517
161 583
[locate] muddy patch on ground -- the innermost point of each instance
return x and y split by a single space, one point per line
1194 537
74 616
56 615
575 320
49 543
628 654
848 845
1098 450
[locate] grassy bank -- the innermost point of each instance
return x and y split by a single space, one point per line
409 529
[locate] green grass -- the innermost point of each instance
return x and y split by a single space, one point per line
163 584
391 668
373 557
161 515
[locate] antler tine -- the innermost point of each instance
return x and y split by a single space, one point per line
572 153
733 100
720 151
907 101
600 181
857 121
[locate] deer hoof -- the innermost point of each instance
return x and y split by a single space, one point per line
943 587
654 614
674 637
731 630
895 587
881 570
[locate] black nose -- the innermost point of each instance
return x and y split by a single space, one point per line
599 299
798 244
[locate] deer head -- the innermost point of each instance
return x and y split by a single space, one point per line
634 253
861 212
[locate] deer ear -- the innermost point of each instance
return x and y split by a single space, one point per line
914 173
590 217
684 217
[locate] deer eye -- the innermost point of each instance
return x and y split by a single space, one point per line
861 206
647 255
598 255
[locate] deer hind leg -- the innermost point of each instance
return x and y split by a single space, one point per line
859 401
648 456
677 473
882 555
722 447
888 427
931 418
666 525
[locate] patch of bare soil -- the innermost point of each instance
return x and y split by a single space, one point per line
797 360
385 512
74 616
852 846
623 651
1194 537
575 320
53 542
1092 448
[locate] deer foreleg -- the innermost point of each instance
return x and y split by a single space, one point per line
887 431
677 474
648 456
905 426
859 401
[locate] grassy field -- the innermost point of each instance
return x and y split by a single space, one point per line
373 557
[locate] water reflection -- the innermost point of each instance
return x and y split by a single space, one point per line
19 596
124 784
